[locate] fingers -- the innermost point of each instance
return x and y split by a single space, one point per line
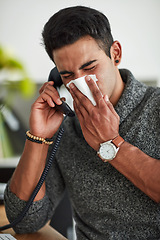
44 85
49 94
83 105
78 113
80 101
98 97
110 105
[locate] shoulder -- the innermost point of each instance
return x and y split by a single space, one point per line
152 99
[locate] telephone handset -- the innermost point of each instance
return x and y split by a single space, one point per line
64 107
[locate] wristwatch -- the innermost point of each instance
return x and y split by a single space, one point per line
108 150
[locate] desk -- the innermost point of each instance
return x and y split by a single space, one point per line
46 233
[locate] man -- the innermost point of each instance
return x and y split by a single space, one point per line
115 194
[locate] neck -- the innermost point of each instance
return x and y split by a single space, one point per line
118 90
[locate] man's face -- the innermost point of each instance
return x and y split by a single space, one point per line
85 57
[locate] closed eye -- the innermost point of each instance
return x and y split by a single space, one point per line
67 76
89 69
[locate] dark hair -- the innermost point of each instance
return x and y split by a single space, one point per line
70 24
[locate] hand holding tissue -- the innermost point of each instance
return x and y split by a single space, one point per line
81 84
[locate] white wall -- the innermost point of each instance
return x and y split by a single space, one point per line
134 23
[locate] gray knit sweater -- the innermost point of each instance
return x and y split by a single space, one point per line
105 204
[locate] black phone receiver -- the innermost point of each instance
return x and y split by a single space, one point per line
56 78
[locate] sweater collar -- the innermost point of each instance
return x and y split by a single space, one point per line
132 95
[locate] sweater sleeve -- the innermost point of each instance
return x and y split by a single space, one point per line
37 216
40 212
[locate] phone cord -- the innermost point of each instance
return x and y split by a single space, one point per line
41 180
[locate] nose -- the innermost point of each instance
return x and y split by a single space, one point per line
75 76
78 75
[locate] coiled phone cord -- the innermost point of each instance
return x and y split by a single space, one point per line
41 180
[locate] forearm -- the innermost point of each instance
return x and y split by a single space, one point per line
142 170
29 170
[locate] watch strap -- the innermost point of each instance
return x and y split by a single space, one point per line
117 141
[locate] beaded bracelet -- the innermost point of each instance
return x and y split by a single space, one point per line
40 140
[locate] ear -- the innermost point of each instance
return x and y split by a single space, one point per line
116 53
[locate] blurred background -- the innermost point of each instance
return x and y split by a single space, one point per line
25 66
134 23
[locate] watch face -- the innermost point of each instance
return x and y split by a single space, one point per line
107 151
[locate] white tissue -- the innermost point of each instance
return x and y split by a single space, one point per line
81 84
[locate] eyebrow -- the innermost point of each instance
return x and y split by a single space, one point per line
65 72
83 66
